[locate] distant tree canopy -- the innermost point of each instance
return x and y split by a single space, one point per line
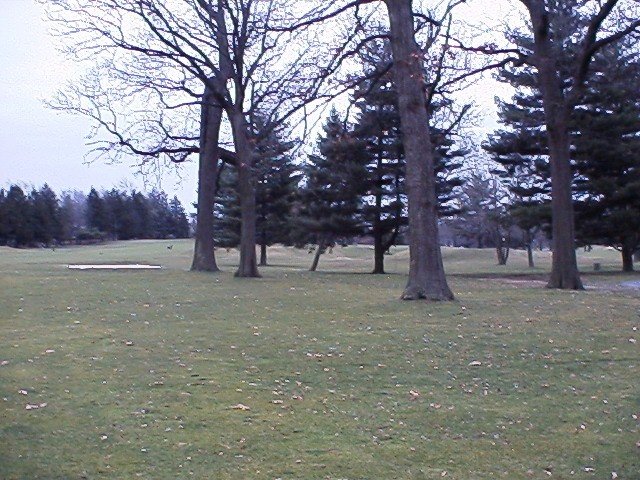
42 219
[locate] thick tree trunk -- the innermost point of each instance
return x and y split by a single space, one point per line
210 119
627 258
564 269
316 258
248 266
564 264
426 271
263 254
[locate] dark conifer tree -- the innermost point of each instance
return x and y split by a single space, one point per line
521 151
378 127
3 217
45 215
97 216
227 215
159 213
140 214
277 180
179 220
608 153
17 218
603 130
336 180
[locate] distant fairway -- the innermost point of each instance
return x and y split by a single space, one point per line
167 374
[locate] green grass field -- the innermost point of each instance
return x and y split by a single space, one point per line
170 374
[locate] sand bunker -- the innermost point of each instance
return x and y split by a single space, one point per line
115 267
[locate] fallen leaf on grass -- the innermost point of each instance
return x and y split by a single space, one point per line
240 406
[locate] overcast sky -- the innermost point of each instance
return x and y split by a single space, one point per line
40 145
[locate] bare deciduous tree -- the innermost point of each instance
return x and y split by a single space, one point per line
219 55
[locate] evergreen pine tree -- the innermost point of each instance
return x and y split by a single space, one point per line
277 180
608 153
3 217
603 129
160 214
521 151
336 180
140 213
45 215
226 210
378 127
97 218
180 222
18 215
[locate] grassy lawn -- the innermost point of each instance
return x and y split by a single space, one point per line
169 374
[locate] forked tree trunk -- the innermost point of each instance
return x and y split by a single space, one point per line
426 271
248 266
564 268
204 258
